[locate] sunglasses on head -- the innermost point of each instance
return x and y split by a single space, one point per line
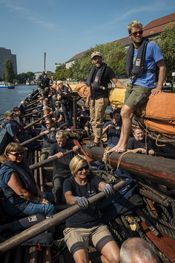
140 32
17 153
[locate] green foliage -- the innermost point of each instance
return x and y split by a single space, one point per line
23 77
166 43
8 71
113 54
61 72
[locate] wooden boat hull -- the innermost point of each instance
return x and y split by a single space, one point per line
149 170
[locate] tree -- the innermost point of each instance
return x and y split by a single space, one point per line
61 72
8 71
23 77
166 43
113 54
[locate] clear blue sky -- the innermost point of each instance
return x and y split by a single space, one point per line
63 28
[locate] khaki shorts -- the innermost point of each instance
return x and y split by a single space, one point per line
136 95
80 238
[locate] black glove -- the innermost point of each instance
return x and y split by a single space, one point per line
108 190
82 201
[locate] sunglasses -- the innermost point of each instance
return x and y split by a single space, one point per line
140 32
17 154
84 167
96 58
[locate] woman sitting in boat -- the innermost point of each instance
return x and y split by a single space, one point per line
21 194
85 226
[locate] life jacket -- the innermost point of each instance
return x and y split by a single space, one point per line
16 127
24 174
95 81
136 68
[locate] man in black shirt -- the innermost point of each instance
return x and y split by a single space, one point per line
139 144
98 80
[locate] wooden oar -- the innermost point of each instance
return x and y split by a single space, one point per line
35 138
88 158
30 109
42 163
36 94
35 122
50 222
32 113
31 104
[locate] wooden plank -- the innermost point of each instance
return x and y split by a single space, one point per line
157 169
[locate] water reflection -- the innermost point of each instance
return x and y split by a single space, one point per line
10 98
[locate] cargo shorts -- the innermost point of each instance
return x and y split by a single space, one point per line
80 238
136 95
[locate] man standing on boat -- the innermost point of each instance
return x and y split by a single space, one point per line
142 60
99 78
44 80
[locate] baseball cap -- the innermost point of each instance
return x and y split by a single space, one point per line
96 54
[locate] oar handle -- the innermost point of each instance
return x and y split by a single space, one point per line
42 163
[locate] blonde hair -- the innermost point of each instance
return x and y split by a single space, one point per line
134 23
77 163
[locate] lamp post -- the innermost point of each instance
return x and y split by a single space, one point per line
44 61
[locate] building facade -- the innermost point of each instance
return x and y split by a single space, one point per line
5 54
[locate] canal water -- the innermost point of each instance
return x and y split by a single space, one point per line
10 98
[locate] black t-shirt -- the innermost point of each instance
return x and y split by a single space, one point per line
61 165
107 76
134 144
88 217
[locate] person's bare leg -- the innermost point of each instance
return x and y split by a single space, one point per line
126 114
81 256
110 253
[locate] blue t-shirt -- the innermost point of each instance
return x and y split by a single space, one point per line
153 55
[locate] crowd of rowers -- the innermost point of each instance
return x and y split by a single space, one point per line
73 180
